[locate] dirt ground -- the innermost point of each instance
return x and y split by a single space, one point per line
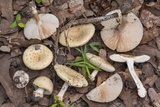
13 43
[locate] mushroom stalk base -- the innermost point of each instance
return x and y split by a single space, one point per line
93 75
141 90
63 90
39 92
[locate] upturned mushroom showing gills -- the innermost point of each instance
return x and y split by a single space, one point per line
43 86
108 91
100 63
129 59
21 79
41 26
77 35
122 34
71 78
37 57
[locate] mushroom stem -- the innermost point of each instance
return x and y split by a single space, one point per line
38 92
93 75
141 90
63 90
35 13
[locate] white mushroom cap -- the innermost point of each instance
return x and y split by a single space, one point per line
77 35
45 83
70 76
21 79
124 35
123 58
47 27
37 57
99 62
108 91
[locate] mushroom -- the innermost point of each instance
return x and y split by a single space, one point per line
129 59
122 34
41 26
37 57
43 86
108 91
99 62
21 79
71 78
77 35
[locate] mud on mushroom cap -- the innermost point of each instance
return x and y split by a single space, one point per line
123 35
77 35
70 76
37 57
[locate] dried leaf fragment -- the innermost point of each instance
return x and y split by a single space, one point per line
154 96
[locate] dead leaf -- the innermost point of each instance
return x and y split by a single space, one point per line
151 80
24 43
147 70
44 102
82 90
150 34
69 4
145 49
68 10
117 103
93 104
8 105
157 83
5 48
158 42
102 76
2 95
65 15
7 83
7 10
5 29
70 98
129 98
154 96
103 54
148 19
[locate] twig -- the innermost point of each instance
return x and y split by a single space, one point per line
55 38
89 20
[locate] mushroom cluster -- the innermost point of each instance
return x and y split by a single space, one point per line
122 34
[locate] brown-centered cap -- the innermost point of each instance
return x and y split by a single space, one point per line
108 91
77 35
37 57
